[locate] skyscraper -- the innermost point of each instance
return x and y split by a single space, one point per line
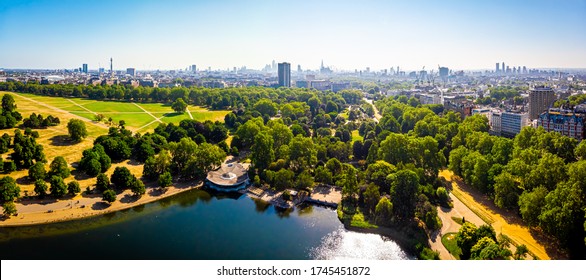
540 99
497 67
84 68
503 67
193 68
285 74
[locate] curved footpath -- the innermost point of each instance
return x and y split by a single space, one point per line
503 223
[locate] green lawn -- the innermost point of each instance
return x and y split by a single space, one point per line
111 107
134 116
449 241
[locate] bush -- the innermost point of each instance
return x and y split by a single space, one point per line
165 180
109 196
73 187
137 187
9 209
8 189
59 168
41 188
102 182
58 187
37 171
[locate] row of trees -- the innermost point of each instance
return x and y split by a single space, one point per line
538 174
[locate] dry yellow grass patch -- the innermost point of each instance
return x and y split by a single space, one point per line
505 223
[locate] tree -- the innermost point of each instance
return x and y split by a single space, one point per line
137 187
378 172
8 189
404 188
303 153
58 187
348 181
165 180
520 252
9 208
8 103
466 238
506 193
77 130
371 197
383 211
41 188
102 182
59 168
179 105
109 196
262 150
122 178
266 107
531 203
73 188
154 166
37 171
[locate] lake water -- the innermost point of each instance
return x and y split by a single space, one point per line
199 225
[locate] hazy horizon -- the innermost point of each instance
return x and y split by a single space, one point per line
157 35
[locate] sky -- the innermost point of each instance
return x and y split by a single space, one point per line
346 35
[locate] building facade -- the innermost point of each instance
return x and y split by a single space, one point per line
540 99
284 74
512 123
567 122
131 71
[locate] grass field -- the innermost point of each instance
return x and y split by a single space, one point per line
55 140
141 117
449 241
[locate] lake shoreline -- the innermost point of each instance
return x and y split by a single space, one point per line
80 207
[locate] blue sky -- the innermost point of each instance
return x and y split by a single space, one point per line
345 34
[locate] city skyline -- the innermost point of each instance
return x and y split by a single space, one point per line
151 35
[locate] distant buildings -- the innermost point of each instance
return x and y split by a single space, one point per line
540 99
284 73
192 68
84 68
497 68
131 72
569 123
340 86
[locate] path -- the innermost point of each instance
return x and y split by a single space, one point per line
503 222
460 210
154 117
63 111
188 112
78 105
377 115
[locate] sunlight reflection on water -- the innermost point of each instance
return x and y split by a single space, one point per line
343 245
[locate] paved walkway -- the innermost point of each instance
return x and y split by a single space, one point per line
78 105
154 117
188 112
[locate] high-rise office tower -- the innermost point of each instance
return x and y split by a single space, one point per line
540 99
84 68
284 74
503 67
497 67
131 71
193 68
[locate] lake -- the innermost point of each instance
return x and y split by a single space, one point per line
196 225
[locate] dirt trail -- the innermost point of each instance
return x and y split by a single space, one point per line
503 222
